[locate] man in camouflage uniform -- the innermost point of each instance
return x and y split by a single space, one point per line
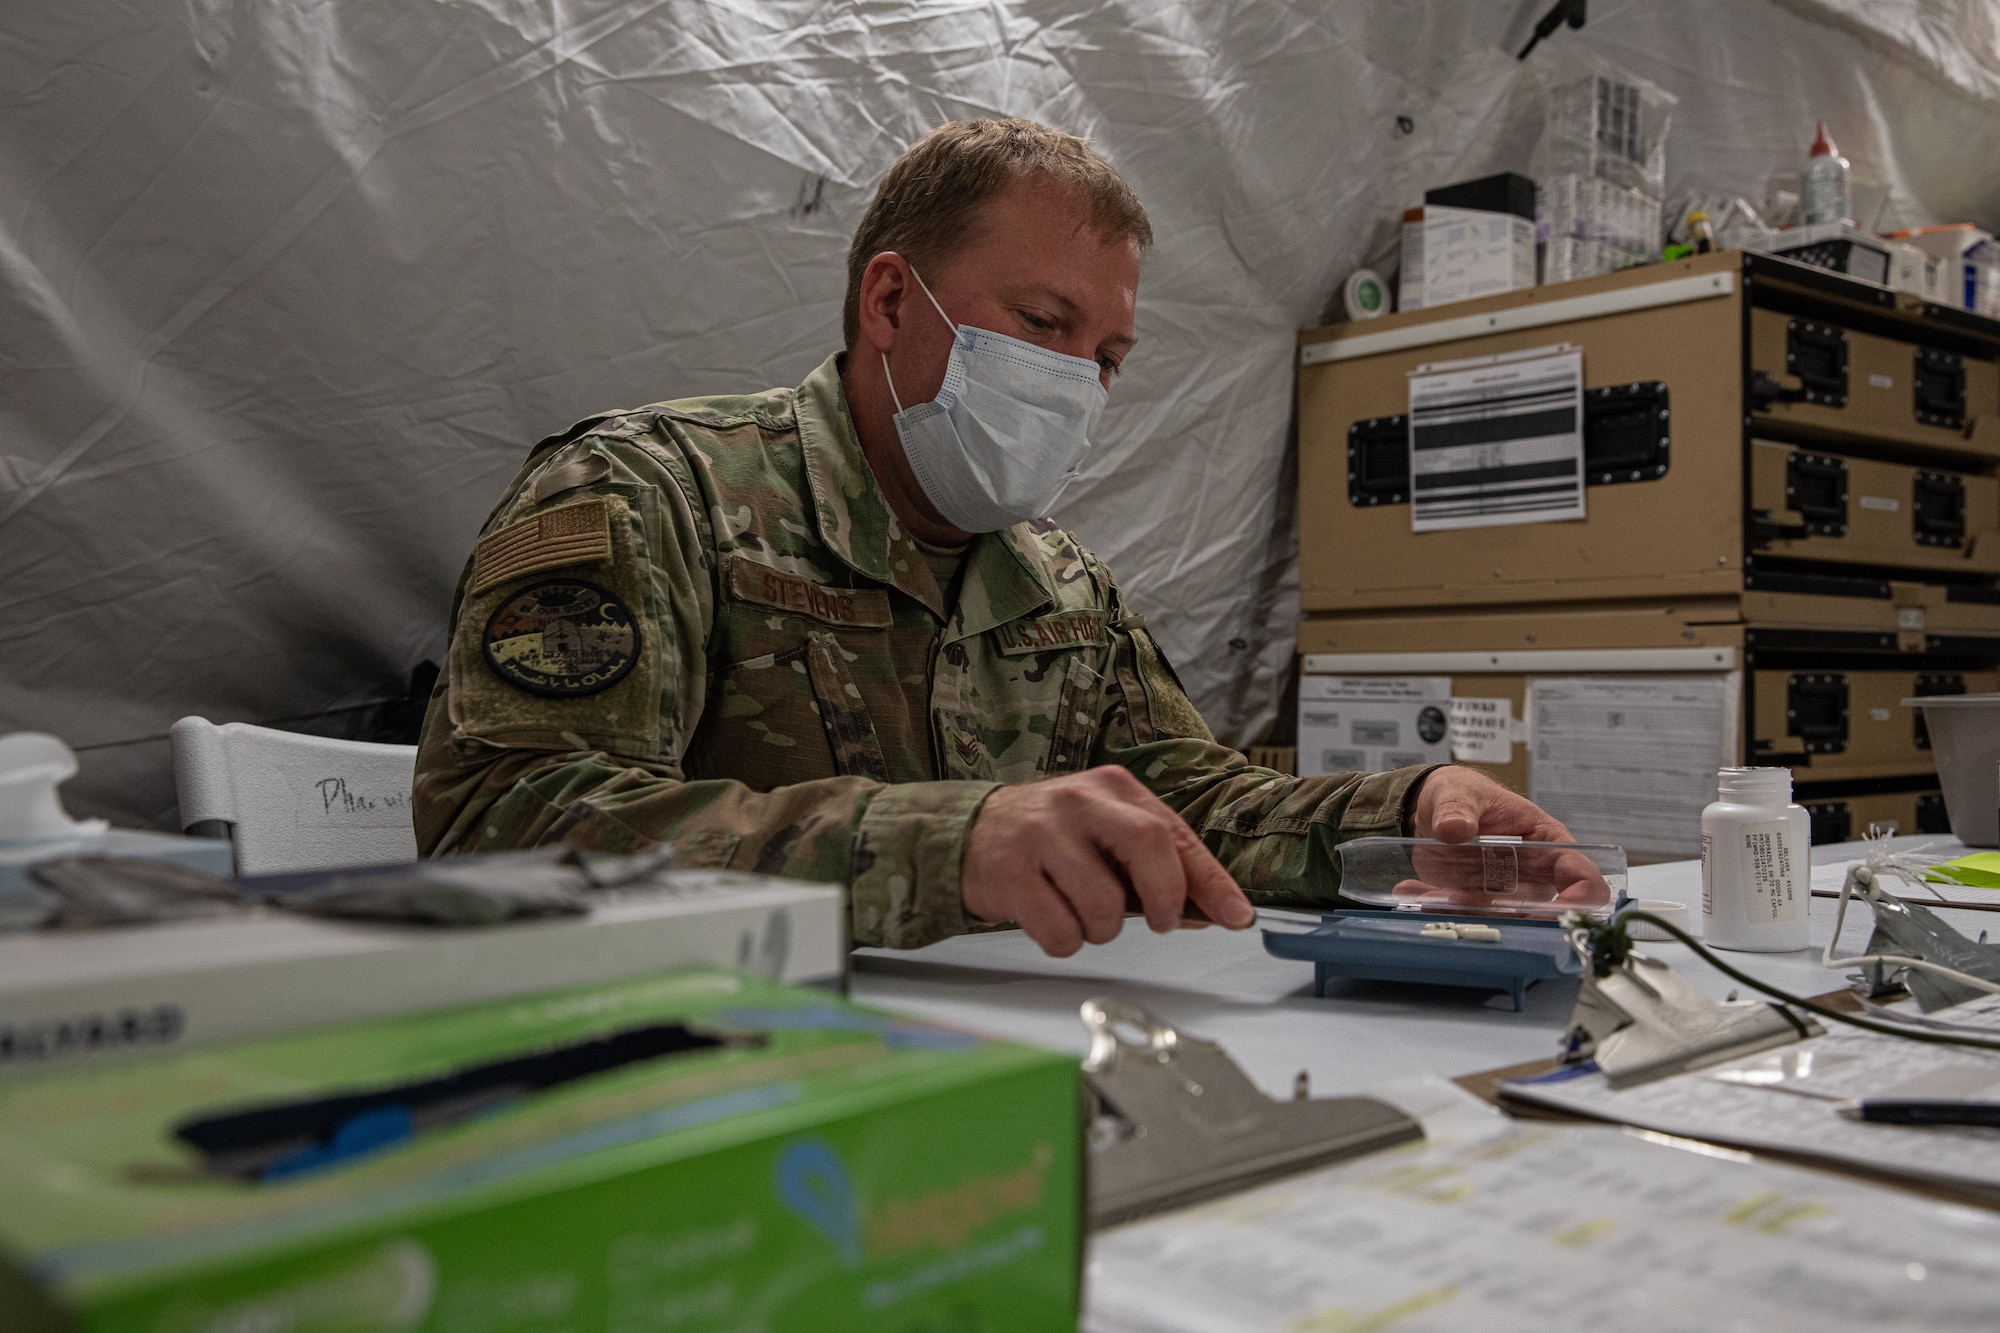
739 625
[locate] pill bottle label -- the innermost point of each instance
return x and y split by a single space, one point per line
1770 892
1707 876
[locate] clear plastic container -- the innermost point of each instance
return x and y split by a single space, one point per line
1756 871
1824 195
1489 876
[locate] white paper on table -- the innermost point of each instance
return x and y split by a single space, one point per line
1497 440
1370 724
1548 1227
1827 879
1846 1062
1630 760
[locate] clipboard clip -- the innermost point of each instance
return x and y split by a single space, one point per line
1175 1121
1640 1020
1912 948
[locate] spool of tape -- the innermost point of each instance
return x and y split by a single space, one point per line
1646 930
1366 295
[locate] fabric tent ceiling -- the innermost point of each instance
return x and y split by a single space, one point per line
287 290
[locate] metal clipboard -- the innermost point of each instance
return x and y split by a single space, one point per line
1176 1122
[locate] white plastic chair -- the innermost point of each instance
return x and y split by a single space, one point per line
295 802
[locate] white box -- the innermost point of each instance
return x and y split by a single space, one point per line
1456 254
1913 271
69 997
1566 258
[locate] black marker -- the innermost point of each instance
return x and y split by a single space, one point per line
1922 1111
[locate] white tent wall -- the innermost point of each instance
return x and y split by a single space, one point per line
287 290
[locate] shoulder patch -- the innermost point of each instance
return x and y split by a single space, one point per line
1052 633
865 608
578 534
561 638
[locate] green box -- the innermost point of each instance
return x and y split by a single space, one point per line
826 1167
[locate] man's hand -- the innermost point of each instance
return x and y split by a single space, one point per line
1457 805
1062 856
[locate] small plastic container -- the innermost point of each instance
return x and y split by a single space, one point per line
1756 867
1823 188
1486 877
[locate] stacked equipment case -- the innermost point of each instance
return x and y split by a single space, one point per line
1790 500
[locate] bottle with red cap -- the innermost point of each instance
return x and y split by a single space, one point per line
1823 192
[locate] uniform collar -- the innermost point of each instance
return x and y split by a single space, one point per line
1007 573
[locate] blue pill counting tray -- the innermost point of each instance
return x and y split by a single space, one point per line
1392 946
1482 913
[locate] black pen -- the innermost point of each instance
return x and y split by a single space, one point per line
1921 1111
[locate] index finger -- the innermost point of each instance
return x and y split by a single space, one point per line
1210 888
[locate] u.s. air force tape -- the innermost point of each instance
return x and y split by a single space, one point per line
562 638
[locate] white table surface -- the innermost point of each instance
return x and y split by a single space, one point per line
1222 985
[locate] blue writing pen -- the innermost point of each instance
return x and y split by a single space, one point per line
1921 1111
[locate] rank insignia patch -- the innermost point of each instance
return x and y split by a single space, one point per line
562 638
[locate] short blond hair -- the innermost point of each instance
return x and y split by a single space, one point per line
927 205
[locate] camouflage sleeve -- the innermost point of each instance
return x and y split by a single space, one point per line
502 767
1274 833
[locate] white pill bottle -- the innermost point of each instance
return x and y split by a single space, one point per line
1756 869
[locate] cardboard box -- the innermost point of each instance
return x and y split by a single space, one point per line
772 1159
1962 259
1913 271
93 996
1459 254
1818 505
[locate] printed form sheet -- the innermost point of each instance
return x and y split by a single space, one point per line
1497 440
1784 1099
1549 1228
1630 759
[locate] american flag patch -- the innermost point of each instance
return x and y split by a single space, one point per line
578 534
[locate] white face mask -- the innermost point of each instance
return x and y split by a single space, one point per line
1007 431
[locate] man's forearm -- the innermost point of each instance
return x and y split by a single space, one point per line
897 848
1274 833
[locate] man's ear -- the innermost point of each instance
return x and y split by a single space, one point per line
885 284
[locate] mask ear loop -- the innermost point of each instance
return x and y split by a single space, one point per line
934 301
895 397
